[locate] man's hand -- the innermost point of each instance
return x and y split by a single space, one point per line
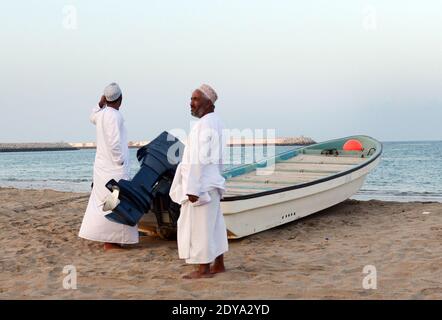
192 198
102 102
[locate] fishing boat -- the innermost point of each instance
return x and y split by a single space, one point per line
287 187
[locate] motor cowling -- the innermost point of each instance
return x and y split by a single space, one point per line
159 160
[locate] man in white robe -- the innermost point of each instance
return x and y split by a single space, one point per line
198 186
111 162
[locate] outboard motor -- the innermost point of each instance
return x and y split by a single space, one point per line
131 199
166 211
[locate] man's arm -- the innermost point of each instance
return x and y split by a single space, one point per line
199 158
194 182
113 137
96 109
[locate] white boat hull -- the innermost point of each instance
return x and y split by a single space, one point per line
249 216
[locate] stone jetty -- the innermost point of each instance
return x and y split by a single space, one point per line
21 147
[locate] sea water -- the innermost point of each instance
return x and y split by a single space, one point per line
408 171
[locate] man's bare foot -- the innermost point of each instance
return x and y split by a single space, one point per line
198 275
218 265
202 272
111 246
217 269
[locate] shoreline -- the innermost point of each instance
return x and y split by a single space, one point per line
62 146
357 197
321 256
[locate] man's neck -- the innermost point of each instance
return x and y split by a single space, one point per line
208 112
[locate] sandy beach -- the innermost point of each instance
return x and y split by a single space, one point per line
319 257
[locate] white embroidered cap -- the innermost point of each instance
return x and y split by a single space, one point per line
112 92
209 92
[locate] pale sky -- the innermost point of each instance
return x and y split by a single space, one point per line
318 68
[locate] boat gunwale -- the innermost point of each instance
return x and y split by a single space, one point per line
310 183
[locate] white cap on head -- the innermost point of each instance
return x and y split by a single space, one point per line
112 92
209 92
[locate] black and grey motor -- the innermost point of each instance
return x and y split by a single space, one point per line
149 188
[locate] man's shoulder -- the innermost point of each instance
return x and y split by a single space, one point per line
211 119
111 114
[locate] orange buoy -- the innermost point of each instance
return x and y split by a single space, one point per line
353 145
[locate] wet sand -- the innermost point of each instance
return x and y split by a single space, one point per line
318 257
